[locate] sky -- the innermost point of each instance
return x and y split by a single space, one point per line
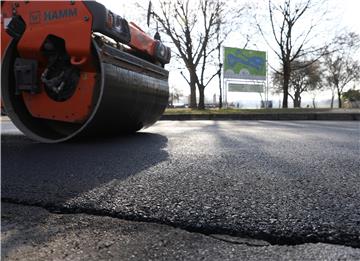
344 15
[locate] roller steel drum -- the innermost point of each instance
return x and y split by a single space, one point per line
129 94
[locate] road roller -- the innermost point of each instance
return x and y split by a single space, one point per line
75 68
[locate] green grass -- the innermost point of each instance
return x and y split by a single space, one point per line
240 111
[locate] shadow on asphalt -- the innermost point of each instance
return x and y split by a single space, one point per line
317 204
66 170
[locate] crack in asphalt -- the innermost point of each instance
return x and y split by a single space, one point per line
240 240
71 211
224 235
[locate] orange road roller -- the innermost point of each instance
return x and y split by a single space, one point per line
75 68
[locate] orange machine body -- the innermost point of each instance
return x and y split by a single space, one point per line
141 41
65 20
71 21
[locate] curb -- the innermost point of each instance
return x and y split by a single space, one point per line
265 116
257 116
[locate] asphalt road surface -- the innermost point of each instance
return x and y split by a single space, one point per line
186 190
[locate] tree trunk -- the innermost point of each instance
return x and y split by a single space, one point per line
192 90
201 105
286 70
193 97
220 96
332 100
285 98
339 97
297 103
220 99
297 100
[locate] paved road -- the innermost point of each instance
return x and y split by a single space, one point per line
279 182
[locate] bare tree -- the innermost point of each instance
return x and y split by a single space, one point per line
181 20
340 65
220 63
292 36
195 28
211 27
305 77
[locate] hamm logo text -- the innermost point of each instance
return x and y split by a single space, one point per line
59 14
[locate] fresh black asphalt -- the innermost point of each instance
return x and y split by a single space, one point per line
287 182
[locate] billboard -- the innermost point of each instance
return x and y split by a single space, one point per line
240 87
244 64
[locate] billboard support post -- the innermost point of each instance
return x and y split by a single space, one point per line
267 82
223 81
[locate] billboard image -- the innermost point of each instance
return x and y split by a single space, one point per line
244 64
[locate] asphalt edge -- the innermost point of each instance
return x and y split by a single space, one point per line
333 116
265 116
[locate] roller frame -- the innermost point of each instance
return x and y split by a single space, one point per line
130 94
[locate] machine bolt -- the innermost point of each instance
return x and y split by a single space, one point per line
14 6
